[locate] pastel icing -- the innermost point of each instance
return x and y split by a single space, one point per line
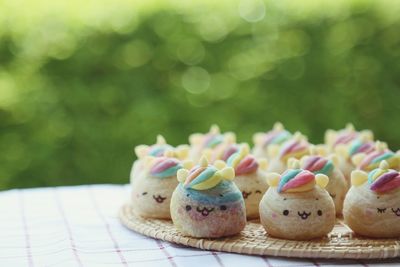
158 150
165 167
372 160
358 146
220 194
242 164
345 137
224 152
202 178
211 140
296 180
293 148
276 137
383 180
317 164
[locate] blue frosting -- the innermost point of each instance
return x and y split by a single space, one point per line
224 192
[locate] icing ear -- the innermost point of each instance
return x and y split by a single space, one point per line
187 164
214 129
303 160
342 151
384 165
350 127
322 150
182 151
229 138
322 180
258 139
330 136
203 161
182 174
244 149
141 151
335 160
208 153
160 140
273 151
358 177
278 126
228 173
366 135
262 163
293 163
169 153
195 139
313 150
380 146
298 136
273 179
219 164
358 158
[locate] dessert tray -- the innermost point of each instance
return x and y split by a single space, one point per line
253 240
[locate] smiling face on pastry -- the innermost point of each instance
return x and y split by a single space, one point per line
372 206
296 206
206 203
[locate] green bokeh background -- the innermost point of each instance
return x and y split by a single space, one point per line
83 82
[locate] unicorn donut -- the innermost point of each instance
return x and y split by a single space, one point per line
296 147
370 161
156 150
296 205
363 144
152 190
344 136
250 178
372 205
206 203
277 136
337 186
211 140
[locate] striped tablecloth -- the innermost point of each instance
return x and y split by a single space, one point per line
78 226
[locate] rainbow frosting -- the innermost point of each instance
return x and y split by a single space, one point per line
276 136
345 137
202 178
358 146
293 148
223 152
318 164
383 180
242 163
158 150
164 167
211 140
296 180
372 160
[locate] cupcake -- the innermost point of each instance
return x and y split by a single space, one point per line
277 136
153 188
337 186
372 205
206 203
297 206
211 140
296 147
250 178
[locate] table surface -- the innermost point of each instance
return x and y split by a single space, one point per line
79 226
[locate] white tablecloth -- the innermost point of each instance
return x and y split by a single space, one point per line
78 226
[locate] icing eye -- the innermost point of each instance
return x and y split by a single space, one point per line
221 195
144 193
258 191
284 198
377 197
286 212
381 210
319 212
223 207
187 195
188 207
317 199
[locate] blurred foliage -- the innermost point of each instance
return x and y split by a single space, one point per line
83 82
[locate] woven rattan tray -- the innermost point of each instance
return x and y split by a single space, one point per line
340 243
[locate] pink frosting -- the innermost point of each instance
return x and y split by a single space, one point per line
300 179
386 182
247 165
